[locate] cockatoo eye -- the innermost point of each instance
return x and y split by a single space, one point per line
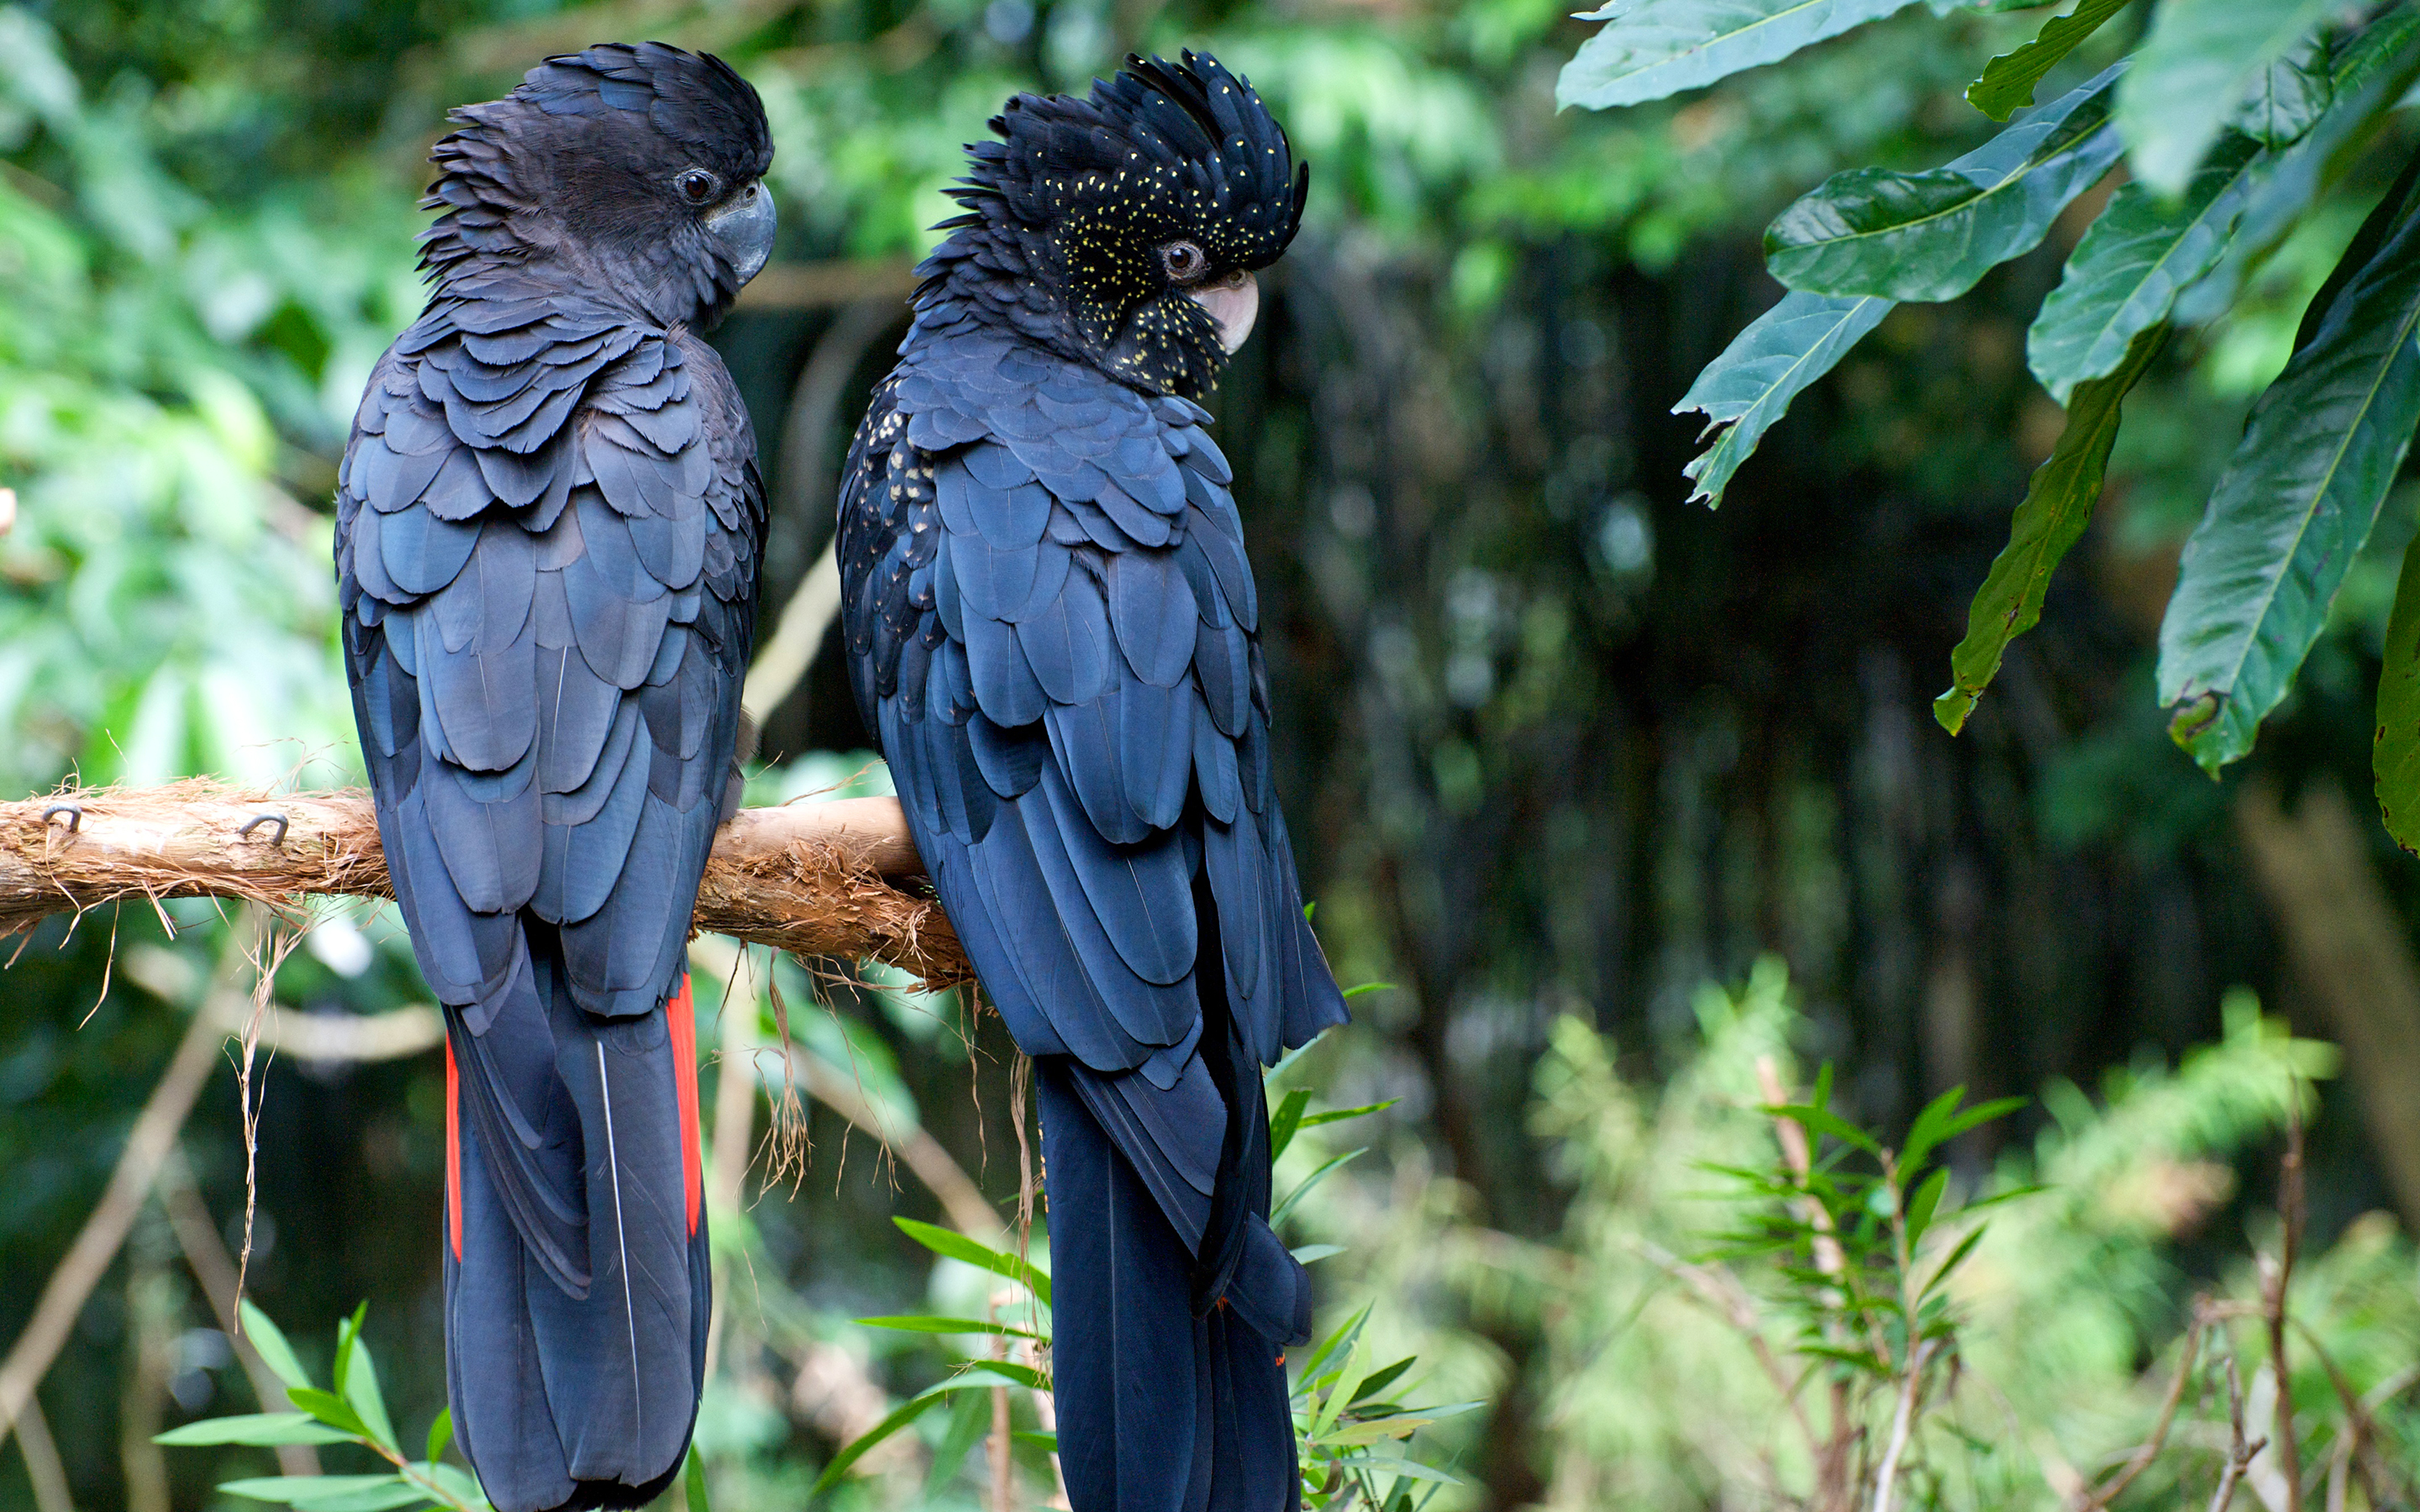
697 186
1184 262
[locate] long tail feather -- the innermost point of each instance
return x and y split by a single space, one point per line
570 1398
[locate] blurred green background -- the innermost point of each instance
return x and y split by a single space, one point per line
1559 751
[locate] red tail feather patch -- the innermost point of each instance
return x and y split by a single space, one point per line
453 1151
681 1016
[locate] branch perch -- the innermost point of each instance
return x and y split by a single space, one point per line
811 878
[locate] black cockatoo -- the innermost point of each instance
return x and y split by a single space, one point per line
1053 633
548 529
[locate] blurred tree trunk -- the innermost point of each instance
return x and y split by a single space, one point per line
2349 949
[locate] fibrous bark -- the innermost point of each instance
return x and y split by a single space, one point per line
819 879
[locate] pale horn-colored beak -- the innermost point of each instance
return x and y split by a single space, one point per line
1233 301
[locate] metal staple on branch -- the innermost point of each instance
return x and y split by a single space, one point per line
817 879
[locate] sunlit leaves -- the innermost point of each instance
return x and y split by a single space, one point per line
2299 497
1930 235
2287 96
1652 48
1744 390
2057 507
2125 275
2199 62
2008 83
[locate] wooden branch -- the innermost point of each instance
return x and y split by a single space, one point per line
812 878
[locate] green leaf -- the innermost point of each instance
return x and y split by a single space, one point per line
362 1390
331 1493
2297 500
1382 1378
269 1342
441 1433
1310 1253
1341 1114
1921 1206
991 1375
856 1449
958 1246
969 1417
1286 1120
1358 988
330 1409
1277 1213
2371 75
2008 83
2287 97
2135 259
1042 1439
946 1325
1397 1465
2395 761
1957 1257
349 1331
2193 70
1744 390
1930 235
2049 520
455 1482
256 1428
1346 1332
1654 48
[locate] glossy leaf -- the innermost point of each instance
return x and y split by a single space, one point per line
2009 79
2135 258
441 1433
2058 505
1649 48
2298 497
1931 235
2395 757
255 1427
1744 390
958 1246
2191 72
2371 75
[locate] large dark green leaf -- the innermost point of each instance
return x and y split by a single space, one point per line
1931 235
2395 759
1652 48
1747 387
2371 74
2287 97
2057 507
2298 499
2008 83
2135 259
2194 69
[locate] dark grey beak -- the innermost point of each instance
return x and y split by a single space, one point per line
745 228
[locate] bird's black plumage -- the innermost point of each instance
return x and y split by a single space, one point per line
548 520
1053 632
